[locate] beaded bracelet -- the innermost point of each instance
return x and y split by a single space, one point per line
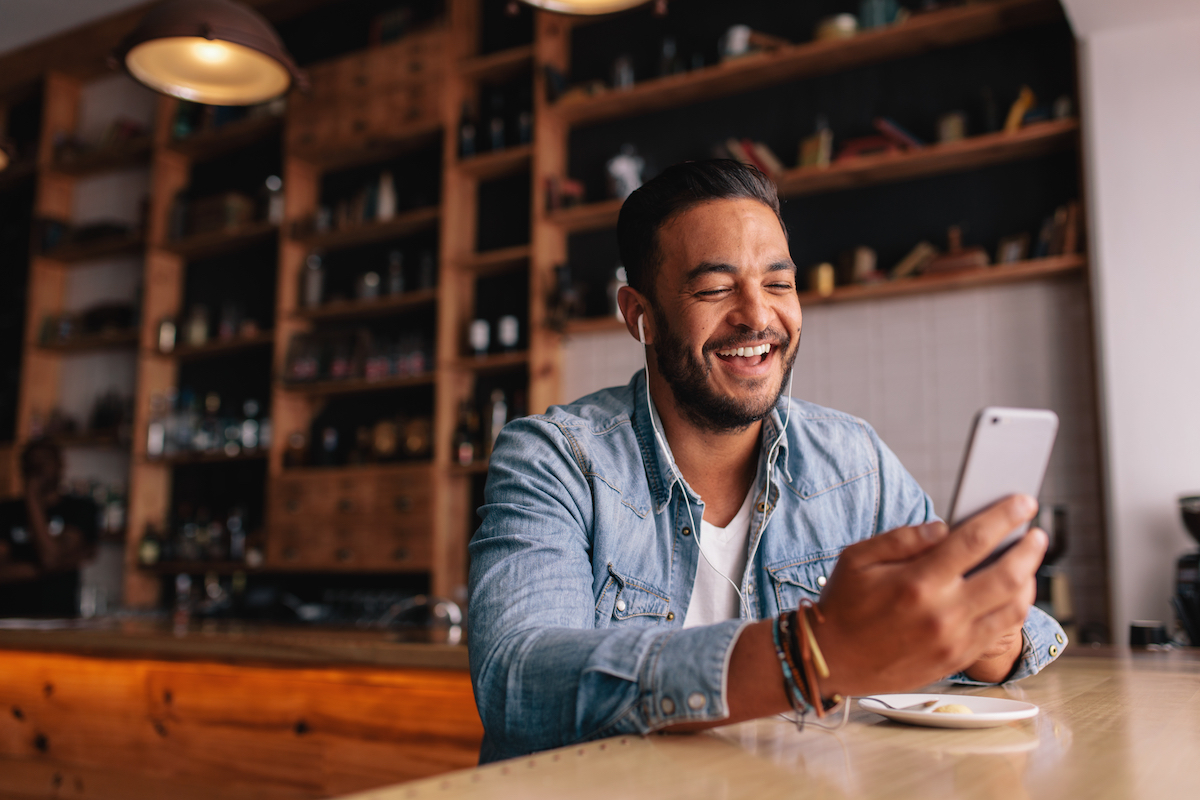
796 698
787 632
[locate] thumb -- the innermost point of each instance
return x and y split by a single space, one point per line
901 544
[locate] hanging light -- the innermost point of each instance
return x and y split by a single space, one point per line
209 51
585 6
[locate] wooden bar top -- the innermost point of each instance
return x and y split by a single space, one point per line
1112 724
236 643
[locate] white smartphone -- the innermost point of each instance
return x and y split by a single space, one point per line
1007 453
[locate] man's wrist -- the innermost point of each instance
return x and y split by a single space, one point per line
997 669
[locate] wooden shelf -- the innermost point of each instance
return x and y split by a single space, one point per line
355 385
215 243
232 136
403 224
587 217
197 567
919 34
1034 269
936 159
219 347
1015 272
217 457
99 440
75 252
115 340
383 306
331 159
497 67
492 363
129 153
497 164
491 262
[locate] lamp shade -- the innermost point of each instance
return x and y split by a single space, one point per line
585 6
209 51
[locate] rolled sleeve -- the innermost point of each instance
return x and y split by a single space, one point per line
1042 641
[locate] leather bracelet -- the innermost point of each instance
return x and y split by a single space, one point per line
812 658
796 698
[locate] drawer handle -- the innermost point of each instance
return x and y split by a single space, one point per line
344 554
400 554
402 502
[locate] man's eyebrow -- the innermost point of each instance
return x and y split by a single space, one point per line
708 267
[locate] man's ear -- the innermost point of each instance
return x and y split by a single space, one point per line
633 307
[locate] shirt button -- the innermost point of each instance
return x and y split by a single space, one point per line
670 616
821 581
686 531
620 605
1058 637
668 706
696 701
1053 650
762 507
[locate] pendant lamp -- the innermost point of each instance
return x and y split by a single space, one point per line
585 6
218 52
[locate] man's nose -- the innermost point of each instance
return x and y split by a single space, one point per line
752 310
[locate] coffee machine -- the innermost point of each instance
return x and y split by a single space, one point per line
1187 574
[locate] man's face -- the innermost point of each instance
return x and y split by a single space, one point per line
726 282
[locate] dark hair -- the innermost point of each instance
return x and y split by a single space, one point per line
675 190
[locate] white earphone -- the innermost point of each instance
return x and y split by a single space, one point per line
671 461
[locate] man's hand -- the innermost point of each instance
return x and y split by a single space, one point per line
899 614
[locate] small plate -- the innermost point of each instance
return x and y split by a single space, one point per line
989 711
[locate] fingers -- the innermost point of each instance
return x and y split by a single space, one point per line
973 540
1010 580
898 544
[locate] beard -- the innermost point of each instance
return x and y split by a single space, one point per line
688 378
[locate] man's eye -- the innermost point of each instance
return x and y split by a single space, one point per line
711 292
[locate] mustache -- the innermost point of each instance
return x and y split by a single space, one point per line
771 336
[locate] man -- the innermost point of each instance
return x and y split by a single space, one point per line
44 538
637 545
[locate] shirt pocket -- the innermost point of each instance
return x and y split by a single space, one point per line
629 601
802 580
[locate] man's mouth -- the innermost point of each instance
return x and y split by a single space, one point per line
754 354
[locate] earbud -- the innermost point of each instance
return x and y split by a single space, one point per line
642 329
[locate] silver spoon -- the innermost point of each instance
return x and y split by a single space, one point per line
925 706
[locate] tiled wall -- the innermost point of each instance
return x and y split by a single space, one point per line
918 368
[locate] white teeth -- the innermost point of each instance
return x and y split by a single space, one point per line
746 352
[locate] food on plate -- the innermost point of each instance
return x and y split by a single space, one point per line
953 708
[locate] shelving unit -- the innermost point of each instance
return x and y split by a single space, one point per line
219 347
129 153
76 252
403 224
118 340
216 243
360 309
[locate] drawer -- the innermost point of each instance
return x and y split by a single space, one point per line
398 546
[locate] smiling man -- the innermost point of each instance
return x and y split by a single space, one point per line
638 545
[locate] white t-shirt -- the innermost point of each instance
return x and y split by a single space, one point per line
714 599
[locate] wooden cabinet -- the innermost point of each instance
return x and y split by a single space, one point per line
372 518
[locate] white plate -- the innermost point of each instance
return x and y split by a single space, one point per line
988 711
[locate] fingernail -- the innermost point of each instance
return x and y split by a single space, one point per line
1028 505
931 531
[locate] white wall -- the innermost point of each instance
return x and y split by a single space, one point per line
1140 75
918 368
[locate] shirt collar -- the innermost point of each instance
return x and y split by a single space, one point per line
658 459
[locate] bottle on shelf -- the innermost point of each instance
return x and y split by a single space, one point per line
466 434
467 145
395 272
508 332
496 131
197 326
385 203
156 429
273 187
496 417
312 282
479 335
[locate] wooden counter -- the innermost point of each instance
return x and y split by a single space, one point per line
1112 725
232 711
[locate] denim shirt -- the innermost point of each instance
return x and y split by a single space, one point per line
582 570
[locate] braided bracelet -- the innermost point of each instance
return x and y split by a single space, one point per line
796 698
